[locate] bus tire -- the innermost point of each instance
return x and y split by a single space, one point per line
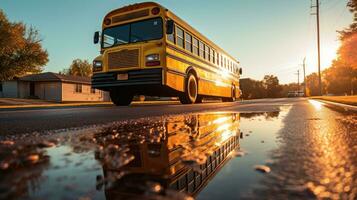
199 99
120 98
191 90
232 98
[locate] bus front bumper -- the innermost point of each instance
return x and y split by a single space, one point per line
140 77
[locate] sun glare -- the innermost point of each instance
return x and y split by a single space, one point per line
317 104
328 54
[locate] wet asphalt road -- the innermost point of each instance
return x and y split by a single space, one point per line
309 148
31 120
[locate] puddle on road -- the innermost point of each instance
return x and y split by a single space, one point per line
208 156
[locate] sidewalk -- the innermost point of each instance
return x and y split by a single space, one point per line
18 101
13 103
9 103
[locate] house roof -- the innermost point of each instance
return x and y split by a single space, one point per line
50 76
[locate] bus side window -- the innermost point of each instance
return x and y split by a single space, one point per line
195 46
179 36
212 55
207 52
171 37
188 42
202 51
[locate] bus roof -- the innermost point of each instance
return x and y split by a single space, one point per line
173 17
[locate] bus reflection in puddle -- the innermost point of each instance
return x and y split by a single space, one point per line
181 154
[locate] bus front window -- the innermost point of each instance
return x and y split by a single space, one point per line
146 30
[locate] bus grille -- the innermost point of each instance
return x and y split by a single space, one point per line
124 58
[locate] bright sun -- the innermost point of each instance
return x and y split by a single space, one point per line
328 54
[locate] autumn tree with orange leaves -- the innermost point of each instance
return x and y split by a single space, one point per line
21 51
341 77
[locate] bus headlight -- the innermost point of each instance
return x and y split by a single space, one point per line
97 66
152 57
153 60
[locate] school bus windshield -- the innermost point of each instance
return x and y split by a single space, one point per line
150 29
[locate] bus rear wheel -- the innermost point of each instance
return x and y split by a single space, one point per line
191 90
199 99
121 98
232 98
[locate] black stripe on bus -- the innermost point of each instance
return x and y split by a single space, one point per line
195 65
197 59
176 72
190 63
200 78
191 56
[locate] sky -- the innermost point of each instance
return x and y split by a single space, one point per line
267 37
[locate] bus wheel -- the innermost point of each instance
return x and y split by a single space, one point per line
232 98
120 98
191 90
199 99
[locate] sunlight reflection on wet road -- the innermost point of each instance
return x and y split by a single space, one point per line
302 151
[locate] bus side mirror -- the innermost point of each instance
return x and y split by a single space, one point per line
170 27
96 37
240 71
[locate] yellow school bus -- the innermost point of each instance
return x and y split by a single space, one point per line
148 50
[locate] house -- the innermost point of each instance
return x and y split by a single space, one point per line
52 87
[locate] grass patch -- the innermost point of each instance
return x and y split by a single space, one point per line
350 100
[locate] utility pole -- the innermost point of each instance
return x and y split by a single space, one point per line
318 42
298 75
303 65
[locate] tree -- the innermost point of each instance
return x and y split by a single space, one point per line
348 51
271 84
20 49
312 85
340 78
252 89
352 5
79 68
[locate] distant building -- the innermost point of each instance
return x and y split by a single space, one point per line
52 87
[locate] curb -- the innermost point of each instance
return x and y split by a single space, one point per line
342 105
71 105
52 105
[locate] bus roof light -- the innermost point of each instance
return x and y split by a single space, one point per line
155 11
107 21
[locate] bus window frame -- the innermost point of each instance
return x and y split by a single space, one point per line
193 46
201 50
183 36
207 52
186 41
173 35
213 56
162 32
